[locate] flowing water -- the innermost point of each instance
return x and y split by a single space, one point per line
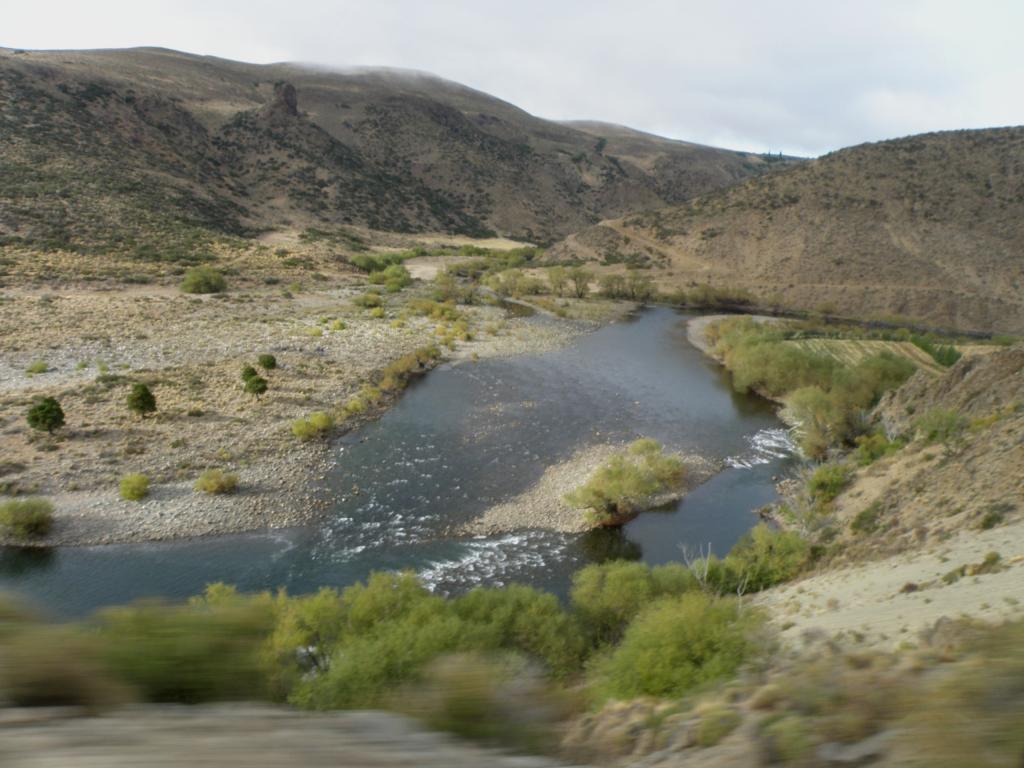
461 439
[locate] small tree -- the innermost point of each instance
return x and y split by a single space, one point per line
580 279
256 386
141 401
267 362
558 279
46 415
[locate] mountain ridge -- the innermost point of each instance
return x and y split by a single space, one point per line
120 132
926 228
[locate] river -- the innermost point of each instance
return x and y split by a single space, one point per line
464 437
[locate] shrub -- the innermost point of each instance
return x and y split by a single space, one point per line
46 415
217 481
495 699
394 278
256 386
267 362
338 325
828 481
765 557
55 666
314 425
676 645
37 367
248 372
368 300
26 518
527 621
787 740
628 482
187 654
134 487
716 722
203 280
607 596
141 400
940 425
377 313
866 521
871 448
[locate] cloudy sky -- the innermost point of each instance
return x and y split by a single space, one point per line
798 76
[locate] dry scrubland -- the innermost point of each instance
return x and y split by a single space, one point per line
925 229
97 335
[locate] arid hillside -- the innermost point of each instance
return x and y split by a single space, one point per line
151 148
928 228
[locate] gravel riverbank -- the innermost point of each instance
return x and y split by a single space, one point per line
190 351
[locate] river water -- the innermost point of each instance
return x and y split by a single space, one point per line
462 438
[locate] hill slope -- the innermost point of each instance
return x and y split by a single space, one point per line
147 146
928 227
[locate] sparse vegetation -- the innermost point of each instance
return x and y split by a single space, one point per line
940 425
37 367
216 482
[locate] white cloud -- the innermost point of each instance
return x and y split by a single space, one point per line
797 76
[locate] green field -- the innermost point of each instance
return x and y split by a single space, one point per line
852 351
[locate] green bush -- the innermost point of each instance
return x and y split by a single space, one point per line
871 448
134 487
828 481
256 386
26 518
37 367
763 558
203 280
216 481
394 278
187 654
628 482
827 398
141 400
314 425
46 415
527 621
368 300
267 362
940 425
45 666
248 372
676 645
607 596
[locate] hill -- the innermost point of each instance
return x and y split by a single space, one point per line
155 149
928 228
